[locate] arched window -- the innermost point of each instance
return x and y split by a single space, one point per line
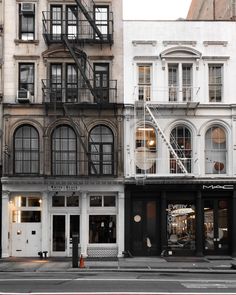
215 150
26 150
64 151
146 151
181 141
101 148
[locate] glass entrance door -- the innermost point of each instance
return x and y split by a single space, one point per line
216 240
64 226
144 234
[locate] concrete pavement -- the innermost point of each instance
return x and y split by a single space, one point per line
141 264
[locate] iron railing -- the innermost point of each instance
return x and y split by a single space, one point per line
81 29
58 93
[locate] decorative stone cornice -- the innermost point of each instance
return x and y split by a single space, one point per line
180 43
215 43
144 42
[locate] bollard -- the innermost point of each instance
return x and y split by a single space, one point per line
75 249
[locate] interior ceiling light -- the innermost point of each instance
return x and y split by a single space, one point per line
145 129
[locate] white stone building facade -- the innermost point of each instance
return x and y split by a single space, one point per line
180 137
63 126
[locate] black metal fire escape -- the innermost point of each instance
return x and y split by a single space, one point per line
73 44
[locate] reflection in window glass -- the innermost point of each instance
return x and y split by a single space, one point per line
181 226
102 229
20 201
96 201
58 201
34 202
26 216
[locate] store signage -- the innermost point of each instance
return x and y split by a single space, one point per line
212 187
63 188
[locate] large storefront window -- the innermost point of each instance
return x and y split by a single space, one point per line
181 226
102 229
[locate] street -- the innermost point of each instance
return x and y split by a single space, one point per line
77 282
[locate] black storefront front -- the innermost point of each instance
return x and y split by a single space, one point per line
182 219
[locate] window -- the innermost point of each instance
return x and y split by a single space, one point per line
64 151
71 83
181 141
144 82
26 150
102 201
215 83
27 21
146 150
64 87
102 19
102 229
101 76
56 22
68 201
215 150
64 20
101 148
56 81
181 225
71 19
26 77
23 209
180 82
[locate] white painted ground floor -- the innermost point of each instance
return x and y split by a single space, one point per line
43 215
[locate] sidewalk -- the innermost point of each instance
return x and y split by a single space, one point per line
139 264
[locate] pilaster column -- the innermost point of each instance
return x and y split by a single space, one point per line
234 225
164 242
199 225
121 224
45 223
5 224
84 230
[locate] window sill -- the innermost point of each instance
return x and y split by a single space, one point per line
34 42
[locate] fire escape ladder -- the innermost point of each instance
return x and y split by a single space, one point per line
80 136
166 141
80 65
82 5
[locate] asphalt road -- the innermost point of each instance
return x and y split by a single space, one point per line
76 282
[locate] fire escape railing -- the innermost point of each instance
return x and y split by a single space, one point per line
54 30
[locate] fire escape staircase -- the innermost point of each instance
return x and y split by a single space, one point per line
81 62
150 110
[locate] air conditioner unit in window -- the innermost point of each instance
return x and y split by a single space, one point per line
27 8
23 96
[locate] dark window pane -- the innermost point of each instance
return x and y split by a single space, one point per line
58 201
72 201
30 216
34 202
102 229
26 150
109 201
96 201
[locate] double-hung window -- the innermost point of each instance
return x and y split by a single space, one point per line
26 21
102 19
215 82
180 82
26 77
144 82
